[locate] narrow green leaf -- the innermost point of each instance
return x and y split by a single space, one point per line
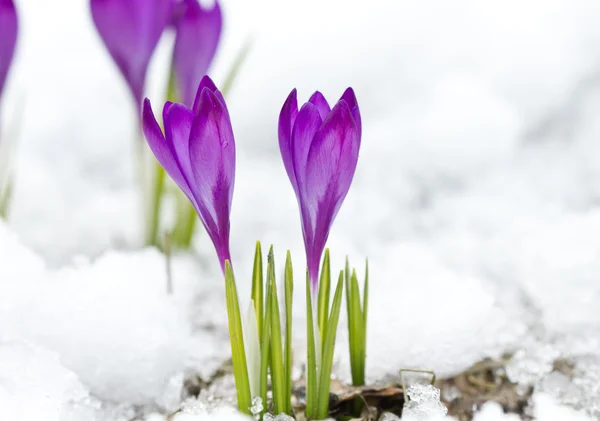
257 287
328 349
289 293
277 368
365 309
324 292
311 364
240 369
351 336
356 332
264 356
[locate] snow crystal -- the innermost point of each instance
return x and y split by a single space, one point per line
423 404
257 406
279 417
388 416
223 413
492 411
530 364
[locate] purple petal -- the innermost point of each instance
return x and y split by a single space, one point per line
288 114
306 125
131 30
350 99
205 82
178 120
9 28
331 166
212 152
319 101
198 34
162 149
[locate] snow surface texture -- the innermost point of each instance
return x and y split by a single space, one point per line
476 197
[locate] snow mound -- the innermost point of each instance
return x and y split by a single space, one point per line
34 386
110 320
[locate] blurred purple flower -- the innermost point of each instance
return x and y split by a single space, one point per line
8 38
131 30
198 33
198 153
319 147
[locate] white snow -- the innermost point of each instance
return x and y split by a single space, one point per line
477 199
34 386
423 403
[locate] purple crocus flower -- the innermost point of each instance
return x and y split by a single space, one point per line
8 38
198 152
198 33
319 147
131 30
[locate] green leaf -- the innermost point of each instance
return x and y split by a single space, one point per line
311 364
324 292
240 369
264 356
328 349
277 369
355 324
257 287
289 293
365 310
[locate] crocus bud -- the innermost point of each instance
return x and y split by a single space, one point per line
131 30
8 38
198 152
198 30
319 147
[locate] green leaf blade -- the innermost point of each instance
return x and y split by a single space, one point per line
328 351
240 369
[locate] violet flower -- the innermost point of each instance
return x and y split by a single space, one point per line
131 30
319 147
198 33
8 38
198 153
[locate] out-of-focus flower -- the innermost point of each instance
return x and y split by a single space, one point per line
9 28
131 30
319 147
198 33
198 152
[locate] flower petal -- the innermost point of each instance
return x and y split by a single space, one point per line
178 120
205 82
161 149
306 125
287 116
331 165
212 153
9 28
350 99
198 34
131 30
319 101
